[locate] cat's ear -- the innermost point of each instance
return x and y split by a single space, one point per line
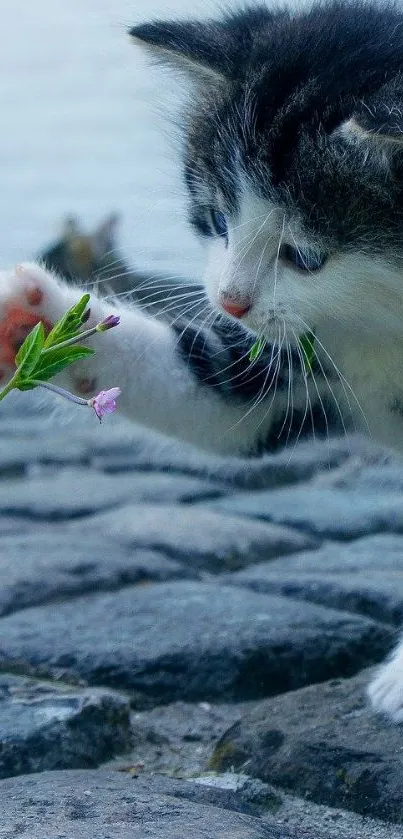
211 50
200 50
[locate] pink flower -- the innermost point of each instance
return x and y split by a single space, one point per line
105 402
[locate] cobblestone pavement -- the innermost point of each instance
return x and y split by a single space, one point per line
185 642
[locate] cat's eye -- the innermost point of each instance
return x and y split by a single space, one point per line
219 223
302 259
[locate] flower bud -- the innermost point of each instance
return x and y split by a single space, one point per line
108 323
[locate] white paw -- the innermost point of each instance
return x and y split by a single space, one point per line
28 294
386 691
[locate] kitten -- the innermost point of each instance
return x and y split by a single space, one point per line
293 163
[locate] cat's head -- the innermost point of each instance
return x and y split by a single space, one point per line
293 160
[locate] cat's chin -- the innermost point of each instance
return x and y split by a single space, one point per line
275 330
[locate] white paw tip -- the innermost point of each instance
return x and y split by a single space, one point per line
386 692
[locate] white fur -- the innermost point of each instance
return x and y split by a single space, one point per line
386 691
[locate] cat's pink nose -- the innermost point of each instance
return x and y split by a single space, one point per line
237 310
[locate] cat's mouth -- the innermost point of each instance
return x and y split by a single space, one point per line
275 325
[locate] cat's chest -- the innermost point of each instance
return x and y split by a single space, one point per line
373 385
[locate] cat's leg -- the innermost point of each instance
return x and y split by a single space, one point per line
174 379
386 690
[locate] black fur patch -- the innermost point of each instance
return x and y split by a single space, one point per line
322 421
219 358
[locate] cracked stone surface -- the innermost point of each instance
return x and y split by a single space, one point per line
186 641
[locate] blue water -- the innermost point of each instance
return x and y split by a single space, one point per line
84 130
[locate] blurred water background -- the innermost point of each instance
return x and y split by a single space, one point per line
85 130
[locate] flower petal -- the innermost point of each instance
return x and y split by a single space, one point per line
105 401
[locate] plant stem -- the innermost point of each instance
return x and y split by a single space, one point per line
82 336
61 392
11 384
8 387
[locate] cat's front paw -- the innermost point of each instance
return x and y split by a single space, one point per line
28 294
386 690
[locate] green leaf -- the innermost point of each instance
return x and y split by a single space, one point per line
257 349
306 343
29 352
69 325
56 360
